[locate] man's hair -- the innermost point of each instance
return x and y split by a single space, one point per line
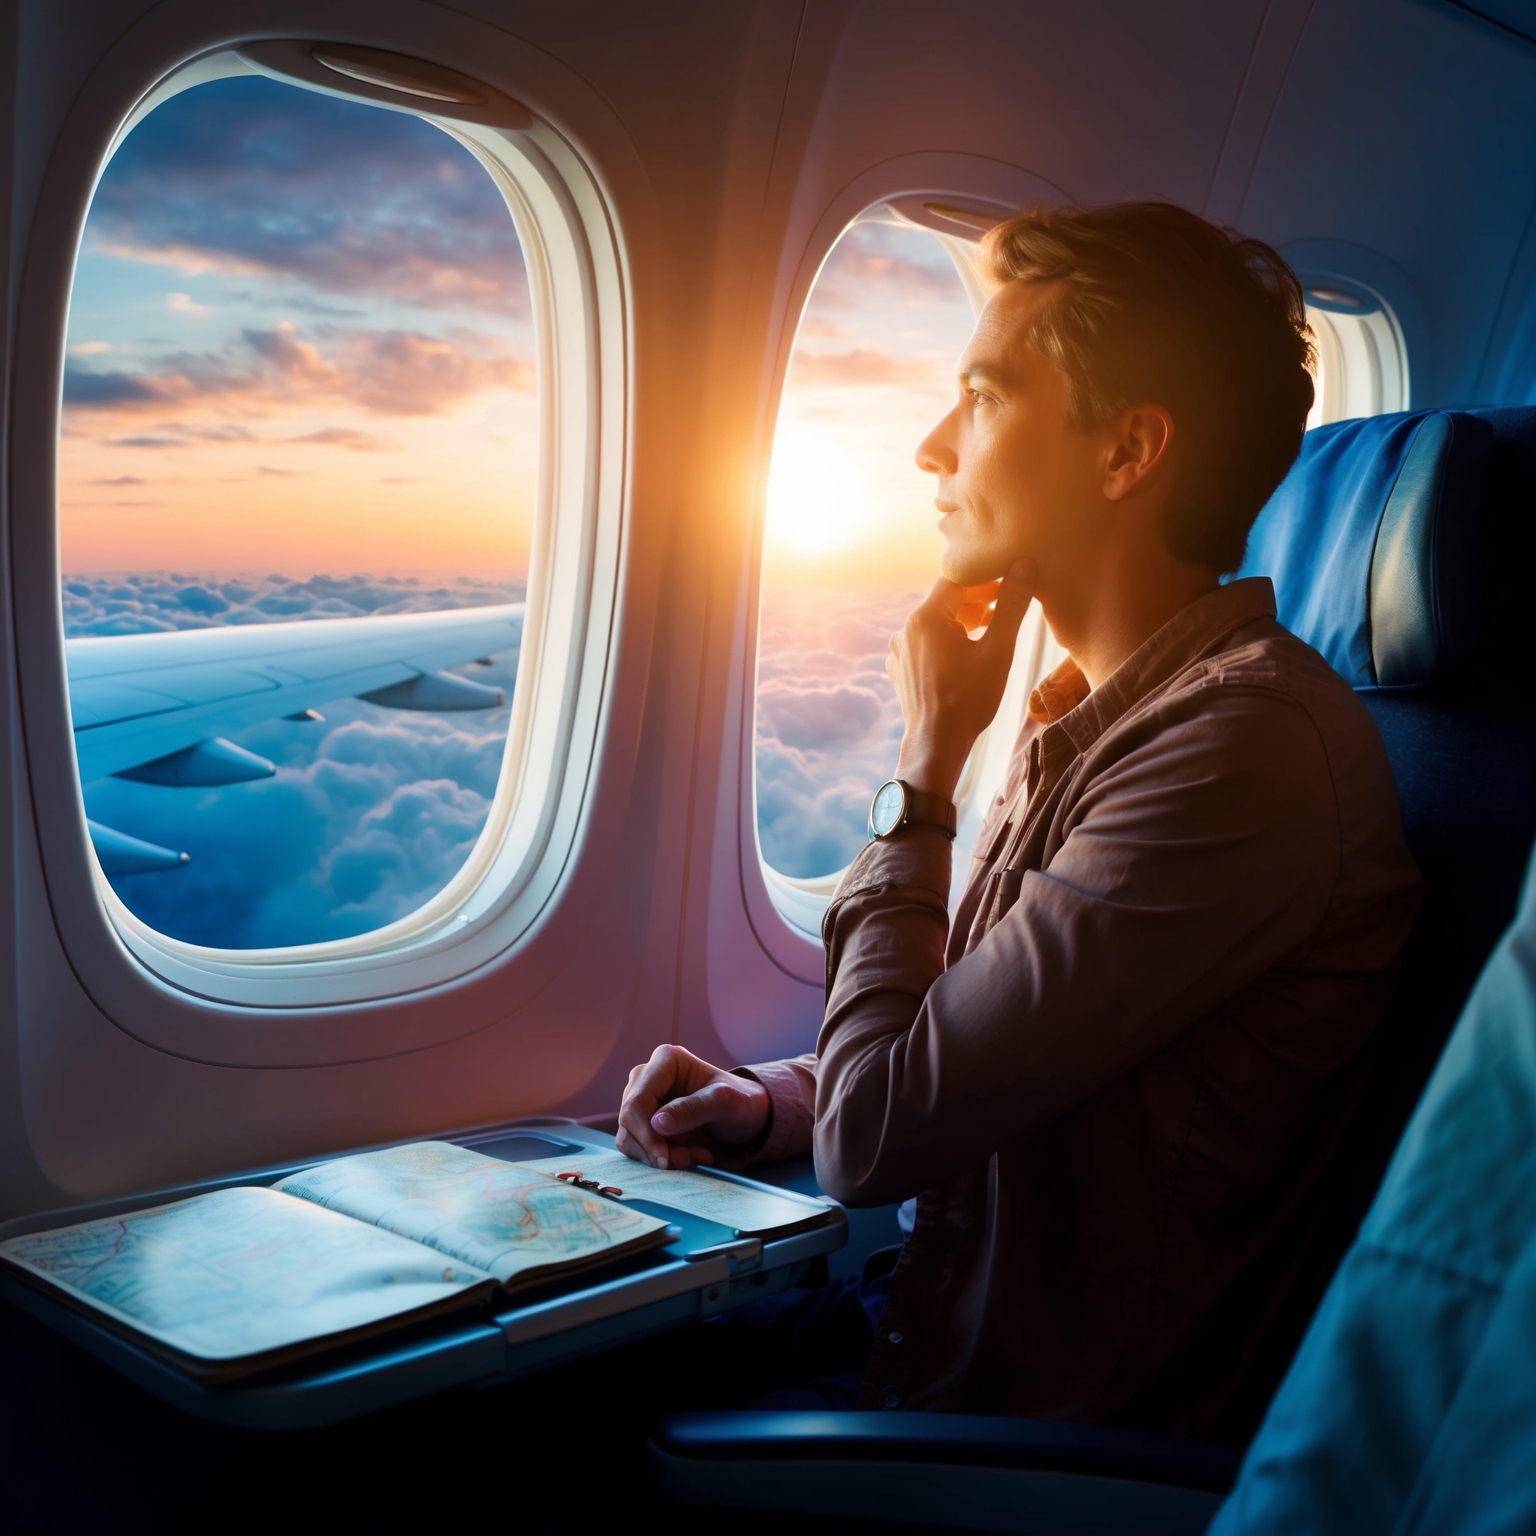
1161 307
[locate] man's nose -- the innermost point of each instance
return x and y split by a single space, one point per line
935 454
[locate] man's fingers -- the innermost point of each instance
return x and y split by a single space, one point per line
1015 593
676 1099
680 1116
944 596
690 1156
638 1141
649 1087
985 593
635 1136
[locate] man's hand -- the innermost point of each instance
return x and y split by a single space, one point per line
705 1108
950 685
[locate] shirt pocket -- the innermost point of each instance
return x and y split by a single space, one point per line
1006 894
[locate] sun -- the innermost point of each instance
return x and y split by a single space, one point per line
819 498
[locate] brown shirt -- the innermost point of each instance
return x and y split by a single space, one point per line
1116 1087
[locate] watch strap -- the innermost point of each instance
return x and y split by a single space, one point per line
930 810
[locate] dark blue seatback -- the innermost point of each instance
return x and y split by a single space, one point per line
1401 548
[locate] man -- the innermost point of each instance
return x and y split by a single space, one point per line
1116 1089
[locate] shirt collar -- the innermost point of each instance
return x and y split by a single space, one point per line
1064 696
1058 694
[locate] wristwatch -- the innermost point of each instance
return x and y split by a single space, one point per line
897 805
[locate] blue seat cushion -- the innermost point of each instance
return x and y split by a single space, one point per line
1371 542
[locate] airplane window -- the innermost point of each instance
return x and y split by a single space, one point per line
1362 368
296 479
850 543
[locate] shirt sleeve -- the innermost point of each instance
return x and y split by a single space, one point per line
791 1089
1196 861
920 855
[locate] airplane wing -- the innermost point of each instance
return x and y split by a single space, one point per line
150 707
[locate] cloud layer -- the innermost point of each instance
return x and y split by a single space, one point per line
161 600
828 724
373 811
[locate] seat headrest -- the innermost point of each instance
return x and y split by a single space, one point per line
1371 542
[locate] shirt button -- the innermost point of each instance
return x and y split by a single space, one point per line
890 1398
895 1336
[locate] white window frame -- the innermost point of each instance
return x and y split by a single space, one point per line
578 287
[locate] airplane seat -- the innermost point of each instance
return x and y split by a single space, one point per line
1398 545
1411 1405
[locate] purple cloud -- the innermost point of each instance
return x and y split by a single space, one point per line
374 203
880 266
387 373
820 718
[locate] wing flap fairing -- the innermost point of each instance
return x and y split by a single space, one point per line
119 854
436 693
204 765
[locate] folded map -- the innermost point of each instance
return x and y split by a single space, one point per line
242 1279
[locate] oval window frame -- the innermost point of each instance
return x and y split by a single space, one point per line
575 265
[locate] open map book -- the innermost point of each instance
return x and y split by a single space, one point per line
241 1279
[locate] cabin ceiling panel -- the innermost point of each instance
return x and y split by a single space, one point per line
1107 100
678 76
1409 130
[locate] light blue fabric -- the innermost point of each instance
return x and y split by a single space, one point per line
1411 1406
1316 536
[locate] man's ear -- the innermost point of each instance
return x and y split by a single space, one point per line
1138 448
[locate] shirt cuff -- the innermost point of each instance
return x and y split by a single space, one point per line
791 1119
918 856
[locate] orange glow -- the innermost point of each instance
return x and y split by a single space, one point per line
437 496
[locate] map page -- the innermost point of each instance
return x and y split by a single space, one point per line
514 1222
744 1208
241 1273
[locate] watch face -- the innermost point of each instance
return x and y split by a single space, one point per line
886 810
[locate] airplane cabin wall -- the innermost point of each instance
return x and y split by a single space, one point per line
1387 141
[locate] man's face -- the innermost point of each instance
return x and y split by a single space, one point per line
1015 478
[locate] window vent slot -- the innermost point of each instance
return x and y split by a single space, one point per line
396 72
387 79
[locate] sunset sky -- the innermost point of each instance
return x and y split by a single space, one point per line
873 370
300 385
299 341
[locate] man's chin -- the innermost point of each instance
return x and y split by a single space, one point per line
967 570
